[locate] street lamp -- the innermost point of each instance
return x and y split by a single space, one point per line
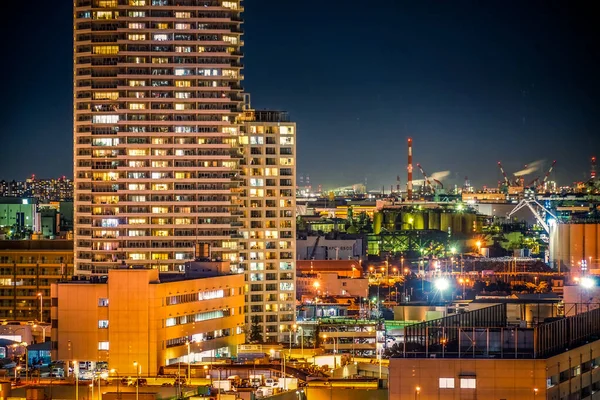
114 371
24 344
478 247
292 329
417 391
535 392
188 343
41 306
16 370
334 342
441 284
137 381
43 328
301 340
76 372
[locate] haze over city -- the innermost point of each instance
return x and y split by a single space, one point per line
472 83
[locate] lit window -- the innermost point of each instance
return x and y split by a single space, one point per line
137 83
105 15
182 26
103 324
137 106
137 14
106 49
286 130
137 36
137 256
105 119
446 383
160 37
137 152
467 383
183 83
102 302
106 96
230 39
102 345
183 14
230 4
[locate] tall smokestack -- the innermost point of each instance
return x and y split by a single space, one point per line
409 185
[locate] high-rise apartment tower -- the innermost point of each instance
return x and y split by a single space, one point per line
157 97
170 163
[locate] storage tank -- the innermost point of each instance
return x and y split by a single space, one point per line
446 222
596 262
554 245
377 221
418 221
434 220
590 247
457 223
576 244
564 235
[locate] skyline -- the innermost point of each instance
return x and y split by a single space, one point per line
455 78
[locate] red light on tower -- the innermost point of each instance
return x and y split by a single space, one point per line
409 185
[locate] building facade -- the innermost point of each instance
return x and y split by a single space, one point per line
137 315
268 204
157 96
27 269
480 355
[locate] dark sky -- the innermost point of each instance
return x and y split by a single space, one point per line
472 82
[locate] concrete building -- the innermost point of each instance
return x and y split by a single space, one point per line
478 355
137 315
157 96
18 215
322 248
267 201
29 267
331 284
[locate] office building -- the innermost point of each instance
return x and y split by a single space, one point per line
27 269
268 231
157 97
139 315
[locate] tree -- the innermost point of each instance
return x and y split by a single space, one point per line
255 331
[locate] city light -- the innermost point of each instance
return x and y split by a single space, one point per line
586 282
441 284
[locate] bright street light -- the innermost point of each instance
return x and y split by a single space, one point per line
586 282
441 284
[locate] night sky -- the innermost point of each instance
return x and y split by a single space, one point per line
472 82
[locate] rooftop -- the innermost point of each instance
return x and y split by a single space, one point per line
485 333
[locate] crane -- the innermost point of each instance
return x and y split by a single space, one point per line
504 174
547 175
426 177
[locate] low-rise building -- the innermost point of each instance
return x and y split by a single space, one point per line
137 315
480 355
27 269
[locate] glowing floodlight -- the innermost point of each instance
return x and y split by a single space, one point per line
441 284
586 282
